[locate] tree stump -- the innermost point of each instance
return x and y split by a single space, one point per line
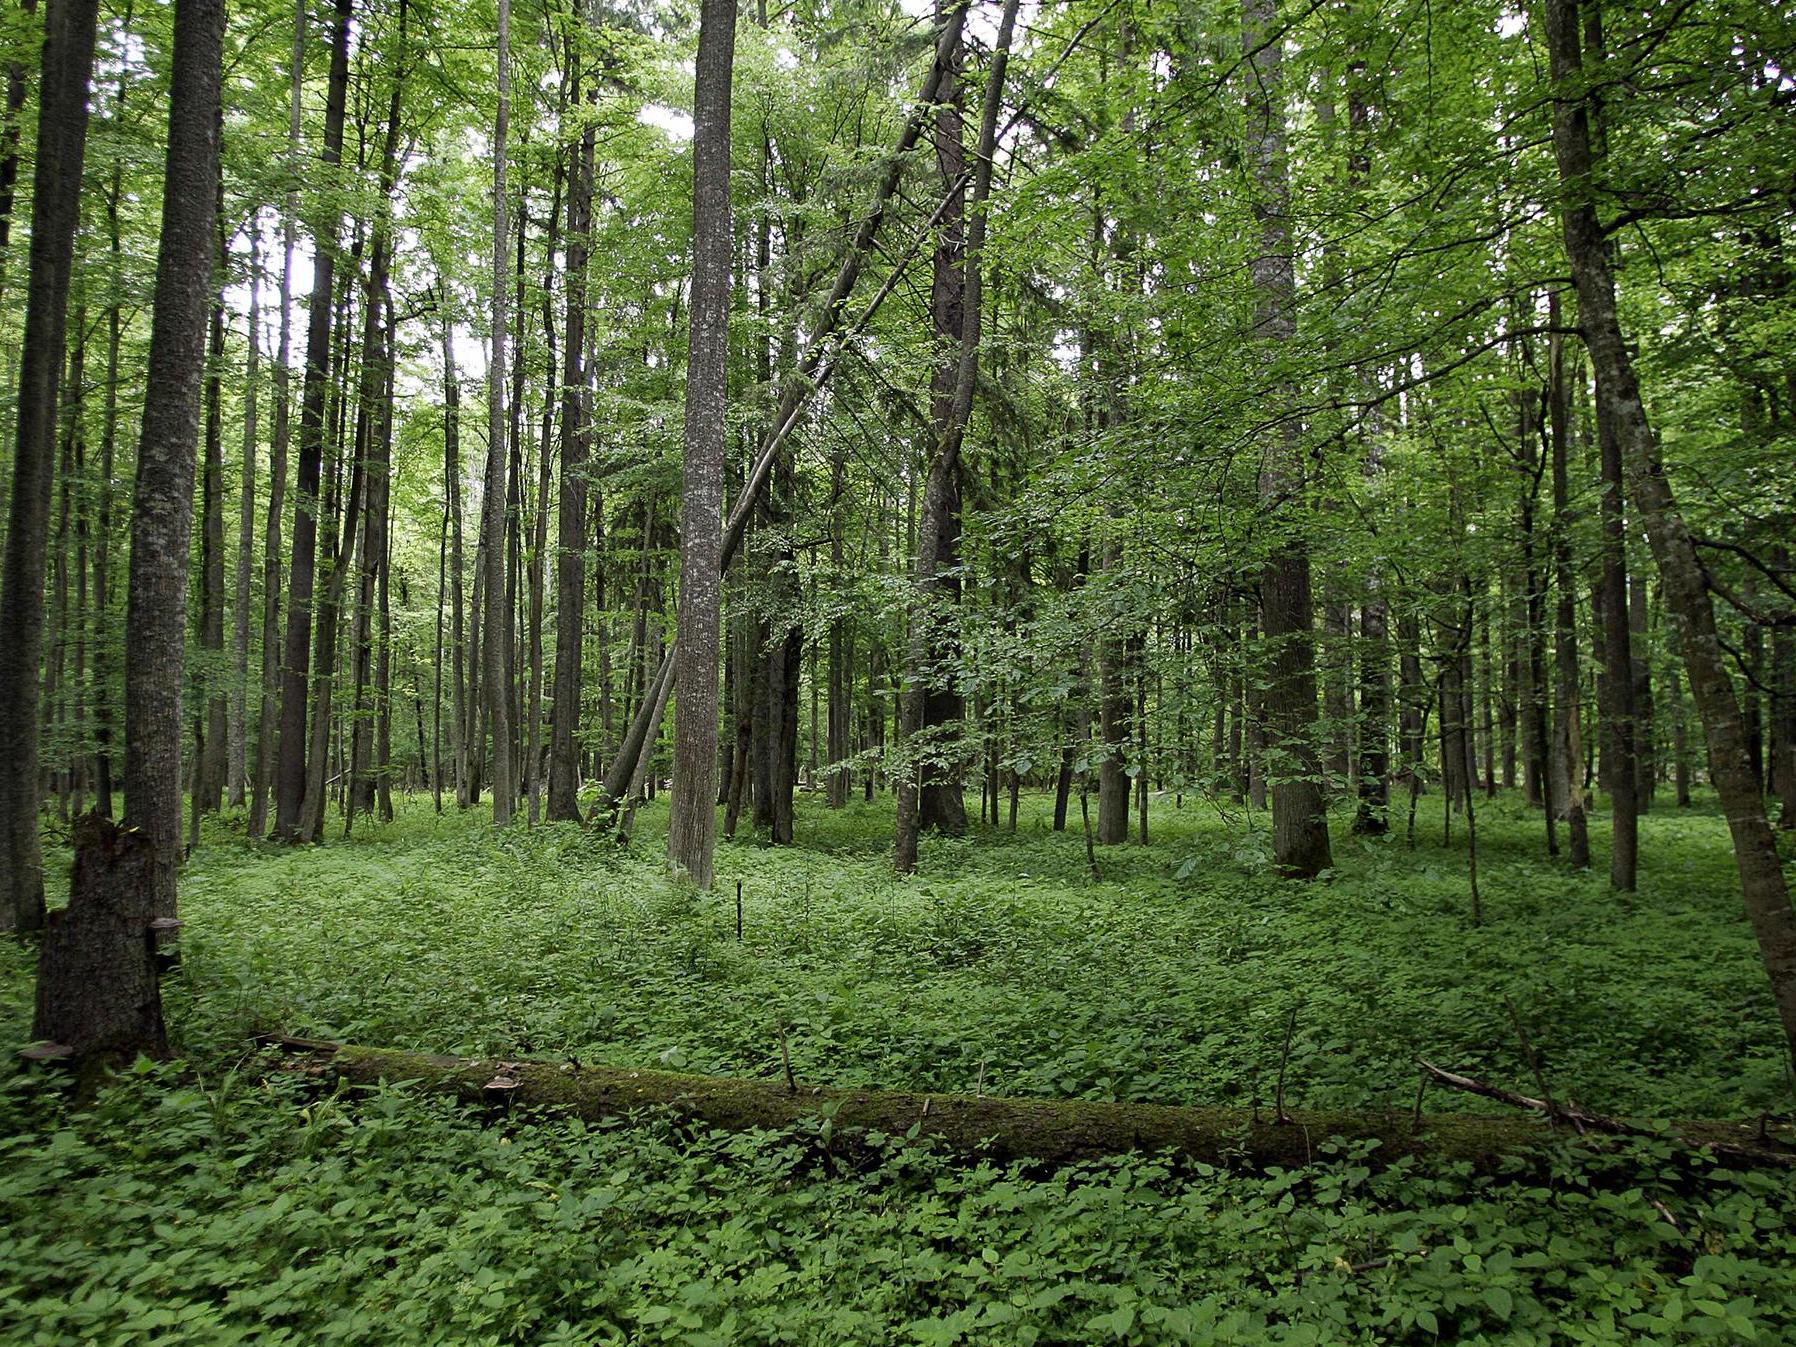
98 992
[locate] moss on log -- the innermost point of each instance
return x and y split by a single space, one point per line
1052 1131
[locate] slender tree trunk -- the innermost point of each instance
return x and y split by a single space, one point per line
55 214
237 733
941 493
17 89
498 640
290 764
1299 811
210 781
266 719
1686 597
1568 750
570 557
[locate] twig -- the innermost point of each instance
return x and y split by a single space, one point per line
1278 1096
786 1059
1532 1058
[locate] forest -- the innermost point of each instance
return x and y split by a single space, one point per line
528 526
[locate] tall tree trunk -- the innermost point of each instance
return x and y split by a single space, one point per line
1618 672
570 556
290 764
498 626
1567 692
268 711
237 734
692 822
17 89
210 781
1686 597
55 213
941 493
162 497
1299 812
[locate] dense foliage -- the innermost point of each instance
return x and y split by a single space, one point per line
222 1199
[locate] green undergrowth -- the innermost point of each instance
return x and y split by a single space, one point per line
1002 965
215 1200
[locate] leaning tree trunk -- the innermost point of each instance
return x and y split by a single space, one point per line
692 822
55 213
1688 605
1299 811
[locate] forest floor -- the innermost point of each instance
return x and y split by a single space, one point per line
216 1200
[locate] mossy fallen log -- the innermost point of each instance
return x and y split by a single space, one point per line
1051 1131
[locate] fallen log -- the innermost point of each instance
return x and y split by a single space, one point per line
1053 1131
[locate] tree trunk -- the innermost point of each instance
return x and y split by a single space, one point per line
277 469
925 706
68 59
236 755
1299 812
290 764
1567 693
210 781
97 987
692 822
1686 596
570 557
162 498
498 626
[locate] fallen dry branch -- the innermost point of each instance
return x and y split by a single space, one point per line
1054 1131
1753 1146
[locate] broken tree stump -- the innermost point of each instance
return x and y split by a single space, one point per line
98 990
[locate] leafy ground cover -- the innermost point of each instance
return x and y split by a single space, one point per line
210 1202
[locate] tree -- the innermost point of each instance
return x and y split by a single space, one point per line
693 821
492 515
55 213
97 984
1687 600
1299 812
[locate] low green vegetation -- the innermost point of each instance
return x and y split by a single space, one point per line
218 1199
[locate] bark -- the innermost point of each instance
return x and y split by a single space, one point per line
570 557
1618 670
210 780
237 733
1688 606
935 729
497 616
268 710
1045 1131
941 493
1299 818
290 763
1567 693
97 987
162 497
68 58
17 89
692 822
